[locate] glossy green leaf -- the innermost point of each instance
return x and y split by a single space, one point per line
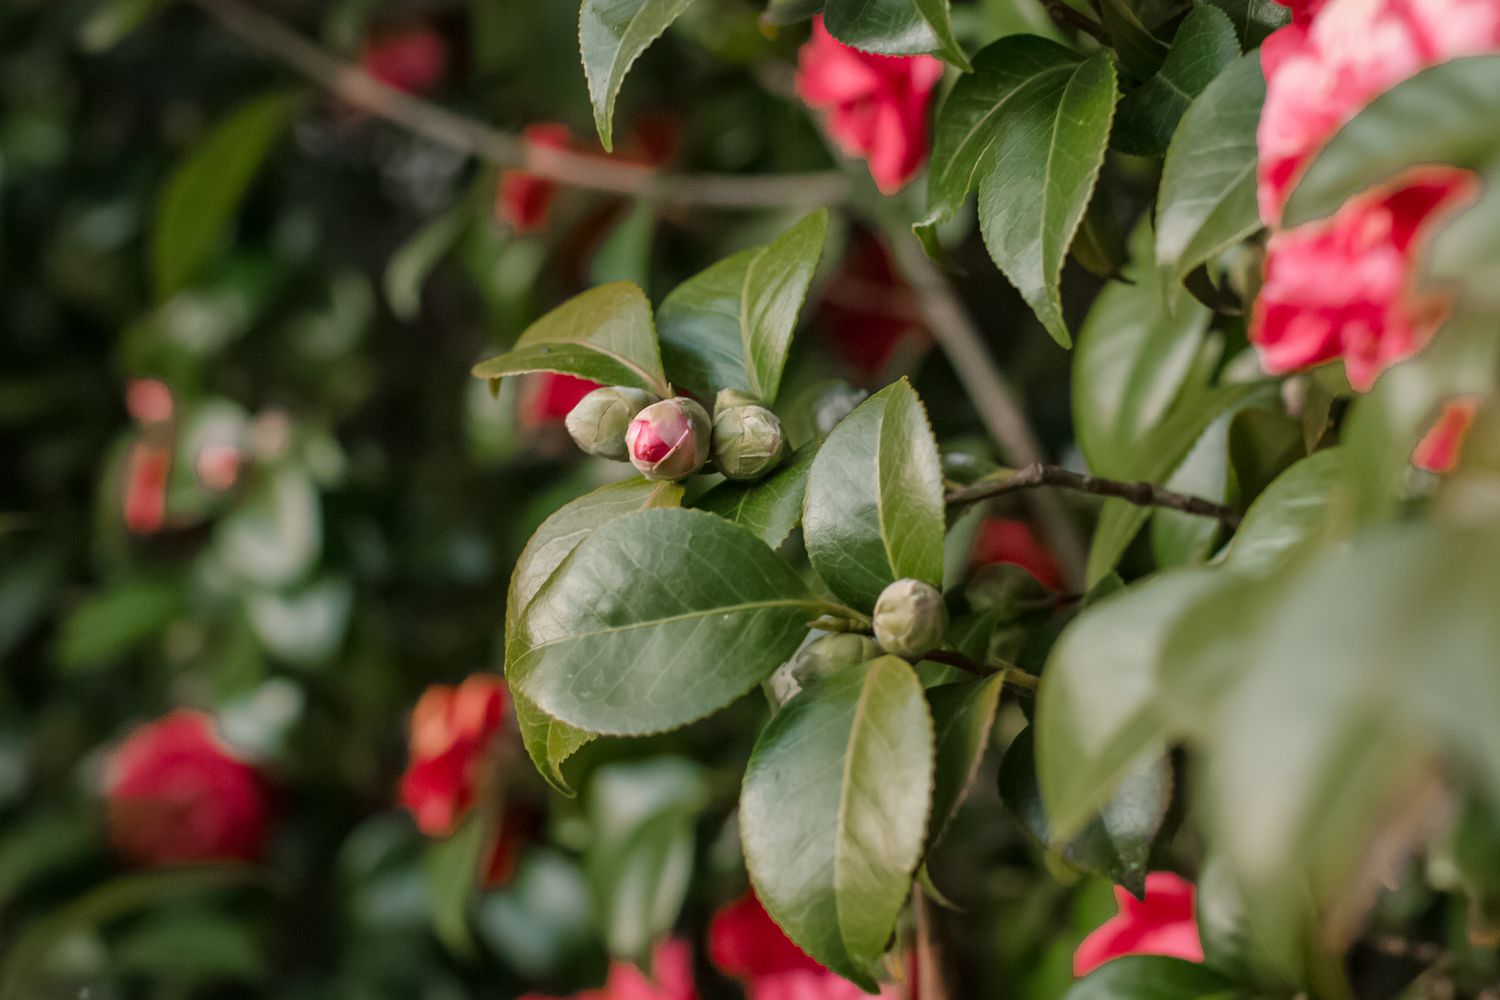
111 625
1159 454
1449 114
1018 71
1094 714
1148 116
1263 443
112 20
1207 198
770 507
1132 360
940 19
730 326
1153 977
1141 53
1253 20
409 266
1037 178
783 12
612 34
197 203
833 814
605 334
452 873
657 619
890 27
874 509
963 715
549 741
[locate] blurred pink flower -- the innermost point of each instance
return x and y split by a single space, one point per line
413 59
148 400
868 310
524 201
877 105
453 731
175 794
1442 445
1001 540
1343 287
548 398
671 978
1161 924
145 501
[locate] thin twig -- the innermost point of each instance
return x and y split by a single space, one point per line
1015 678
474 138
1064 14
1140 494
930 983
994 399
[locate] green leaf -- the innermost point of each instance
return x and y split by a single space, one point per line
1094 713
1160 453
657 619
770 507
1263 443
1152 977
112 20
1253 20
612 34
409 266
197 203
833 814
1132 361
193 947
1142 53
1037 177
1449 114
940 19
730 326
1017 71
640 856
549 741
452 871
783 12
273 536
890 27
1204 45
117 621
874 510
1207 198
605 334
963 714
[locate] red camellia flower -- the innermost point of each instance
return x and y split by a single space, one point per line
523 201
146 470
1343 287
867 310
548 398
413 59
175 794
453 731
671 978
1161 924
1442 445
1001 540
745 943
877 105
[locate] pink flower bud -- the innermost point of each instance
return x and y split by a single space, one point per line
669 439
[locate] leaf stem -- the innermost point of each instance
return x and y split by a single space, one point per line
1066 15
1140 494
505 149
1015 678
842 618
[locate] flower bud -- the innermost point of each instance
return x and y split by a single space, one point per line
828 653
910 619
669 439
599 422
747 441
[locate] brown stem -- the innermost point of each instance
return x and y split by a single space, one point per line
1015 679
1066 15
1140 494
474 138
930 982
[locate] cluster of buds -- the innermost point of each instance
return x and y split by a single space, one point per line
669 439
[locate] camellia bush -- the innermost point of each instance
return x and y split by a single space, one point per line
514 496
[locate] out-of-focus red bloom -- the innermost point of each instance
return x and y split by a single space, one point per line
218 465
523 201
148 400
1343 287
877 105
453 731
413 59
518 827
1001 540
175 794
671 978
548 398
745 943
1442 445
867 309
1161 924
145 502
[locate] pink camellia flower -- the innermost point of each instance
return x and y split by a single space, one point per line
523 201
877 105
413 59
218 464
148 400
175 794
671 978
1343 287
548 397
1442 445
453 734
1341 54
1161 924
1001 540
669 439
745 943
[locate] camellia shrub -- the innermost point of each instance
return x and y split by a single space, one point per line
819 582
